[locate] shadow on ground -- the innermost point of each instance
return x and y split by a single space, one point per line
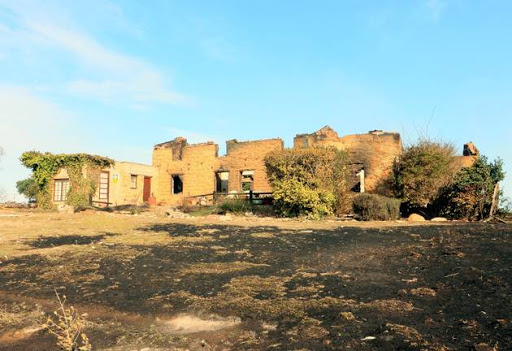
409 288
52 241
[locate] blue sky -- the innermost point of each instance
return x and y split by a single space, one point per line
115 77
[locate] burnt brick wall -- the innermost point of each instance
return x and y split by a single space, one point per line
248 155
196 168
375 151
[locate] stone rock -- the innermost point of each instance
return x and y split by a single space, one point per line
349 316
203 201
177 214
416 218
470 150
161 211
225 218
65 209
439 219
170 212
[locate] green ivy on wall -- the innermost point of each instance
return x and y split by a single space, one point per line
83 171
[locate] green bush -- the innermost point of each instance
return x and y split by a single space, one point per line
470 194
372 207
423 170
293 198
309 182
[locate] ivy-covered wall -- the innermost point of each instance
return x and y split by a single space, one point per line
83 171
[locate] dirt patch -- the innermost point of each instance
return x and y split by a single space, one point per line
190 324
17 335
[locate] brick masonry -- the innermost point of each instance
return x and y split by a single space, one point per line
198 164
375 151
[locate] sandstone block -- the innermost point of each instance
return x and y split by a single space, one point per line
416 218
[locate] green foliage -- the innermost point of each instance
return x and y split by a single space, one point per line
82 169
309 182
28 187
423 170
470 194
293 198
83 182
372 207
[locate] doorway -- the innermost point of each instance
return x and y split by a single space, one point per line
146 190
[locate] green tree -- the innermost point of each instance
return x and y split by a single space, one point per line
470 194
423 170
28 187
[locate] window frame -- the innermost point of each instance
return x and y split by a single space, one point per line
63 190
132 177
247 179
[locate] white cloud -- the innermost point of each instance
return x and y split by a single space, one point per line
435 8
145 88
110 75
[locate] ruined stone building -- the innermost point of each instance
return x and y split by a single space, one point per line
181 173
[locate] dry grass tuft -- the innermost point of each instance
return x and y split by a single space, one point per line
68 327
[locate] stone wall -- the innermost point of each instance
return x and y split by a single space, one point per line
463 162
248 156
376 151
197 165
120 185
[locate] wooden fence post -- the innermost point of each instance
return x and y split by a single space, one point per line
495 197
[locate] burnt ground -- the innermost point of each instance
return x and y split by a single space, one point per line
288 287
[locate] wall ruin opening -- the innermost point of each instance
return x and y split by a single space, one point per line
177 184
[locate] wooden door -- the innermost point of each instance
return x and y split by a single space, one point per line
146 191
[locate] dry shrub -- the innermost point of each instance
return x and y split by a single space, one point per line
372 207
68 327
